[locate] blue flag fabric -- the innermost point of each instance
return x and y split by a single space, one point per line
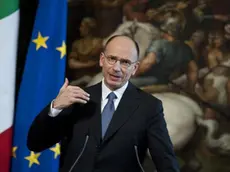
43 76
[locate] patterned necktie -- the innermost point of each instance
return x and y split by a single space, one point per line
107 112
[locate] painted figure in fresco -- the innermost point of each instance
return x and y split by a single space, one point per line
83 59
178 106
196 43
150 11
203 11
108 14
227 31
166 56
216 84
136 9
161 13
208 17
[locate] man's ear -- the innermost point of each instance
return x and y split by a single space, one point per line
102 58
136 66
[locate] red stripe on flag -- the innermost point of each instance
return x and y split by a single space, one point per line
5 150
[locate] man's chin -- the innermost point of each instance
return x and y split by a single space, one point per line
114 84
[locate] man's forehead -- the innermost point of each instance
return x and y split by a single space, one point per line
121 45
121 40
120 52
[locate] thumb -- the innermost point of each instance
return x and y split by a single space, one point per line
65 84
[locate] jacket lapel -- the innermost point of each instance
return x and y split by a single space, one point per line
95 122
128 104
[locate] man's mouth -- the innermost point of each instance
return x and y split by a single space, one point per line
115 76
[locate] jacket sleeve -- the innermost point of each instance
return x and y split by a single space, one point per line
45 131
159 142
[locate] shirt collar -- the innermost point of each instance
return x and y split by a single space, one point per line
119 92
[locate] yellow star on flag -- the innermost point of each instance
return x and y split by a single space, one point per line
40 41
56 150
14 151
62 49
33 158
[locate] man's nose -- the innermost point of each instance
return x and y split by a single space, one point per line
117 66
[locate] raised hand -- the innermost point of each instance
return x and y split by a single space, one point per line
69 95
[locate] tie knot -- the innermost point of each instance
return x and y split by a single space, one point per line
111 96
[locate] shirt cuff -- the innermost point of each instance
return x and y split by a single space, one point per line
53 112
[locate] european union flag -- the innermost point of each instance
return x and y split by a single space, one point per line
43 76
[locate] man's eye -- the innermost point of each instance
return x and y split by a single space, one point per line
126 62
112 58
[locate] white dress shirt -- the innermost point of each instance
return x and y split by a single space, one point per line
105 92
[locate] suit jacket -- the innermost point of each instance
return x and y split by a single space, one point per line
138 120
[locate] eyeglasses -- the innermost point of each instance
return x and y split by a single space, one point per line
125 63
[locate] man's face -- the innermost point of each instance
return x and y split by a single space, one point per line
198 37
118 62
219 41
202 2
211 37
227 31
84 30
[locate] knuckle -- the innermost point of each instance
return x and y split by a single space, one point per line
76 94
68 97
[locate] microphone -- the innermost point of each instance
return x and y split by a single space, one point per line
137 156
82 151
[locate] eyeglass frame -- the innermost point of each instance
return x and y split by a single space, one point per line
117 59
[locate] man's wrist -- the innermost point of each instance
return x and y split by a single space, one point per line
54 105
53 110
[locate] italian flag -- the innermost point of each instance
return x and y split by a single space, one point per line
9 25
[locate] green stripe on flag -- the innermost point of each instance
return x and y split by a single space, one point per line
7 7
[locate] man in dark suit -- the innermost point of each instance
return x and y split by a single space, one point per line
109 126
